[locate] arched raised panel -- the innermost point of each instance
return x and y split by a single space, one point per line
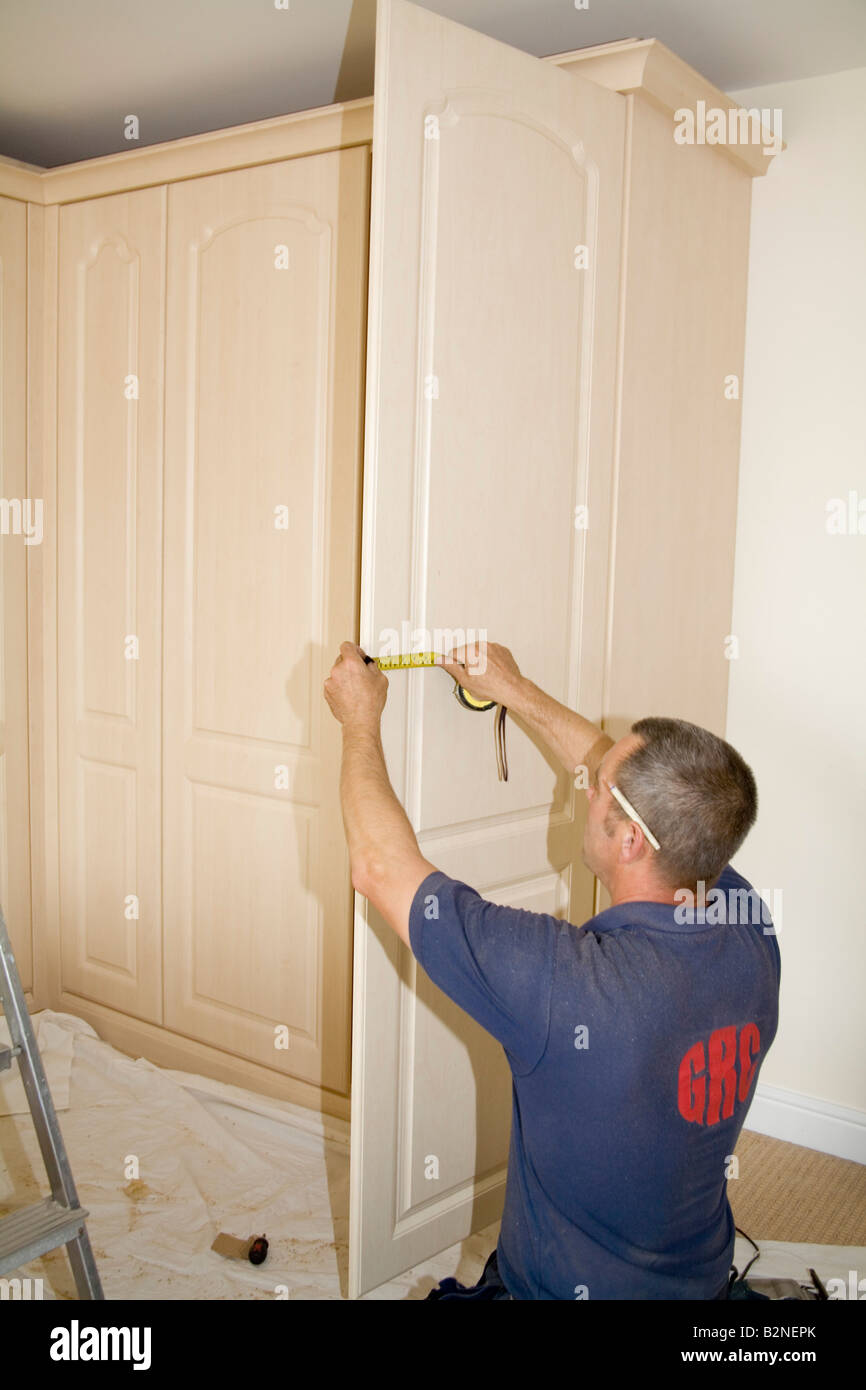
105 483
506 334
264 365
262 338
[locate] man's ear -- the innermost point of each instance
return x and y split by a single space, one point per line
631 844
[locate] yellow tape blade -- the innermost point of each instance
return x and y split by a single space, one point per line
404 661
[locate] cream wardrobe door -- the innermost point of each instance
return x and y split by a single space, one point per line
495 235
21 526
267 287
109 414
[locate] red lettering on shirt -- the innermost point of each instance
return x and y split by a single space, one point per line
707 1084
750 1044
692 1097
723 1073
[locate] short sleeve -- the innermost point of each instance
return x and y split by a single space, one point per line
496 962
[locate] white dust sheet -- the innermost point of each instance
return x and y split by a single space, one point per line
213 1157
55 1045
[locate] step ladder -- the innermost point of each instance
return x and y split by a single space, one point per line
58 1219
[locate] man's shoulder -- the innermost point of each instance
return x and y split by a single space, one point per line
745 905
735 891
731 877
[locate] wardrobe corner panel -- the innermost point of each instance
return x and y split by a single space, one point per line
681 369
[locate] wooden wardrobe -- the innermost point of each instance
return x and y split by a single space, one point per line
465 355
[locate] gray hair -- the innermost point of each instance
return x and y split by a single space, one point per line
695 792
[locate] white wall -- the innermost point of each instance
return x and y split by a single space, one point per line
797 703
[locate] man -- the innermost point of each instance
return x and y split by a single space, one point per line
634 1040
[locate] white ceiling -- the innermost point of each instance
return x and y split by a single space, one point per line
71 70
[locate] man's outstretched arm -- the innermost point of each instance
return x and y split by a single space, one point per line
575 741
387 865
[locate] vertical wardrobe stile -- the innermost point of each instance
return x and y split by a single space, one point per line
14 547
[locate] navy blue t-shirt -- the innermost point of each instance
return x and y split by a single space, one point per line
634 1044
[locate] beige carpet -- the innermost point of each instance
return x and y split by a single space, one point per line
784 1192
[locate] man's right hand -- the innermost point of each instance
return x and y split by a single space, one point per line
489 672
484 669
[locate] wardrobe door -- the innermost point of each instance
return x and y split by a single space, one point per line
21 526
267 287
109 462
495 232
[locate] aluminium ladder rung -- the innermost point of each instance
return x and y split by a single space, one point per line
57 1220
33 1231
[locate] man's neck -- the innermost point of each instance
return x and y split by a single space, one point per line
642 892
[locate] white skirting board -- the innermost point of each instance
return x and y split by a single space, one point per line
816 1124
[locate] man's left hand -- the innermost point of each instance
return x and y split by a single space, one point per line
355 691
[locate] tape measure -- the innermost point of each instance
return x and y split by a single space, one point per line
408 661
